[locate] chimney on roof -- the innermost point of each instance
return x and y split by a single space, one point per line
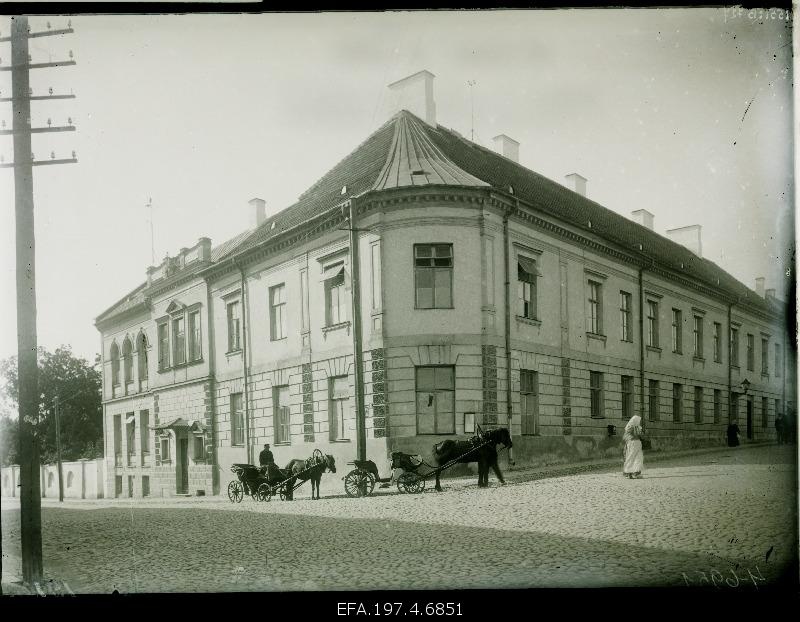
643 217
258 212
205 249
769 293
688 237
507 146
576 183
415 94
760 281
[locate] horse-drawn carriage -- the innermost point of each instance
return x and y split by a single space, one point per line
264 482
481 448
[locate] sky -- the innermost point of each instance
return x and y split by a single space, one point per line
686 113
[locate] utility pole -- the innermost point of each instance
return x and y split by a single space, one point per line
472 106
358 350
58 450
30 490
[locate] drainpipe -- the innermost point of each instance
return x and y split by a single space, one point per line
358 349
244 365
212 380
506 253
641 345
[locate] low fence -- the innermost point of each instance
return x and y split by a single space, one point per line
83 479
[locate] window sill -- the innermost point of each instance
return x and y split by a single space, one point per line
626 340
182 365
678 352
231 353
699 359
654 349
528 320
274 339
166 461
284 444
335 327
597 336
736 367
434 308
597 417
340 440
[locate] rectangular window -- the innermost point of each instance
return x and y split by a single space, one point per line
698 336
652 400
778 360
765 356
529 400
596 393
764 412
627 397
717 342
625 313
234 326
165 455
145 485
751 347
339 408
118 438
734 354
335 296
698 404
178 341
130 432
163 346
526 287
199 448
277 312
652 323
595 308
677 402
195 340
717 405
280 397
734 409
435 389
433 276
677 331
144 430
237 420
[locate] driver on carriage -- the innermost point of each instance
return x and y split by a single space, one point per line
265 458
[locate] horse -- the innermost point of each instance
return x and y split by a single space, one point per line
481 449
310 469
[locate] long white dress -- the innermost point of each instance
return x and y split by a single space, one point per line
634 457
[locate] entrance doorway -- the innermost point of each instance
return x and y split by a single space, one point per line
749 418
182 474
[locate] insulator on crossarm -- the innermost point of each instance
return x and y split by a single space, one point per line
69 24
30 58
69 121
50 90
52 155
49 122
70 53
4 123
74 157
48 26
30 91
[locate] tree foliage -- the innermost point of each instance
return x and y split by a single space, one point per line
77 384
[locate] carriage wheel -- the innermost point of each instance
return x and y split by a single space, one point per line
235 492
411 482
358 483
264 492
283 493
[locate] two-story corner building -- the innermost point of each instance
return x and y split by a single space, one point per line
489 295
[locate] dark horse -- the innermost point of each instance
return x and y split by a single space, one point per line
304 470
481 449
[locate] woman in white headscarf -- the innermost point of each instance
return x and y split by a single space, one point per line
634 458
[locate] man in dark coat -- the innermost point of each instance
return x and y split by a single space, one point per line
265 458
733 435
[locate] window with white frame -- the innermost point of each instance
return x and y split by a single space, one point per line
595 308
677 331
698 336
627 397
433 276
130 432
163 345
751 352
195 336
734 353
234 326
237 419
764 356
165 449
178 341
338 408
335 295
526 287
717 342
141 349
625 316
677 402
435 389
277 312
529 400
596 393
127 360
144 431
199 447
114 356
280 397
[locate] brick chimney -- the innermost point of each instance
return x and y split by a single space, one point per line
760 281
770 293
643 217
689 237
258 212
576 183
507 146
415 94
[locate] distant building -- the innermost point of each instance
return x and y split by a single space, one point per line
490 295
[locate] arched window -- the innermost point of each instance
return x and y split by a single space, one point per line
114 364
141 348
70 478
127 360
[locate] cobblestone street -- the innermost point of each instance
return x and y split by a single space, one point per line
699 520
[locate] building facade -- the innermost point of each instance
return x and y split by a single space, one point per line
489 295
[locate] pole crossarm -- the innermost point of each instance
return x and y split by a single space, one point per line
61 63
42 162
42 33
39 130
34 98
